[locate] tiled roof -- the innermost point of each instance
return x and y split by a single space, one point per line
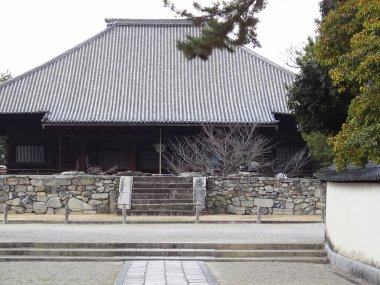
368 174
132 73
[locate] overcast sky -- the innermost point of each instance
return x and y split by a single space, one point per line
33 32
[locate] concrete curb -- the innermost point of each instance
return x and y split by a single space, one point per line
123 272
356 268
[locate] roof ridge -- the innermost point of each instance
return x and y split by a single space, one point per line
268 61
147 22
57 58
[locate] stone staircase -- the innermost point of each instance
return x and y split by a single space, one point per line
311 253
162 195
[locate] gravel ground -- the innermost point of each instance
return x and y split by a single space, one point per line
62 273
274 273
222 233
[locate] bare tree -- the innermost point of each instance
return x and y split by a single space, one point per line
225 148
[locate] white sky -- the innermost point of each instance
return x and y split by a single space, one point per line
33 32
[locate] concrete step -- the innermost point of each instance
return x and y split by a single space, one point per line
162 196
164 207
162 179
158 212
160 252
163 191
160 201
317 260
138 185
169 245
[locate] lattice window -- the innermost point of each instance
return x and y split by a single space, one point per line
110 158
30 153
284 153
149 160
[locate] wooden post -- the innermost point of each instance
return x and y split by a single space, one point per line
258 215
82 155
67 211
124 211
60 152
160 154
197 213
6 208
132 155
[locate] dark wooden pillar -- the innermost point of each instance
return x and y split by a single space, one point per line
82 155
60 151
132 156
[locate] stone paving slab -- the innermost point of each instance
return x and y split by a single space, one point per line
162 272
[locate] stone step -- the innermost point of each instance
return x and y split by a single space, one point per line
162 196
164 207
159 213
138 185
167 245
317 260
160 201
160 252
163 190
162 179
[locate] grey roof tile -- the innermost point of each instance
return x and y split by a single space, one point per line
133 73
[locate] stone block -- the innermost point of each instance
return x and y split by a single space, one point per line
268 188
35 182
236 210
40 198
15 202
3 196
100 196
235 201
320 205
95 202
20 188
289 206
246 203
83 181
268 203
77 205
56 182
6 188
39 207
54 203
39 188
12 181
318 193
23 181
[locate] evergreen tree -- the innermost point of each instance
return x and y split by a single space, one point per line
225 24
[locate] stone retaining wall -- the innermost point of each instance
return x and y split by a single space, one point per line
43 194
239 195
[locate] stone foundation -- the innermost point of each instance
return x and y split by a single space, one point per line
47 194
239 195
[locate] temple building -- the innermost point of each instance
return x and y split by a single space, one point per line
111 99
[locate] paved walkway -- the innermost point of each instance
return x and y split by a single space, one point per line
165 273
108 218
161 233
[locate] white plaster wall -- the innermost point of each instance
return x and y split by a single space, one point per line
353 220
